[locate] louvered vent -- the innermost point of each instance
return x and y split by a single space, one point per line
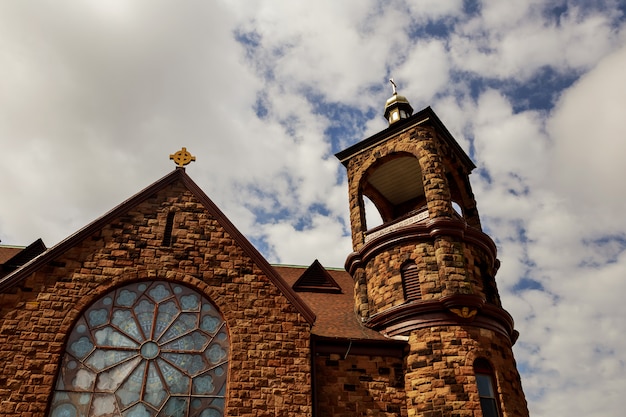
316 279
411 282
169 228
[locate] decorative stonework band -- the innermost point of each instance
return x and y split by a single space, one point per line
424 230
452 310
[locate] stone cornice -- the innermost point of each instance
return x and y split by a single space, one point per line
460 309
424 230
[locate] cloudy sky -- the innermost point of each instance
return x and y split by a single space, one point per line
95 95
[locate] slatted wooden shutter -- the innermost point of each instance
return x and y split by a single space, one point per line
411 282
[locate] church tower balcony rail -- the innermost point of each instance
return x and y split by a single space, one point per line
406 220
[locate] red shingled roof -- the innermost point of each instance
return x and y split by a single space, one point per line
335 316
7 252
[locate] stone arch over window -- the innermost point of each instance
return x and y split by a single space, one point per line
487 391
147 349
411 281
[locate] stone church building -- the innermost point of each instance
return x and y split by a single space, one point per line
162 308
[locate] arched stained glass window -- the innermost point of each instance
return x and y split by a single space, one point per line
145 350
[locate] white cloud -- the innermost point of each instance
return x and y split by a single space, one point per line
323 238
589 128
425 72
514 40
508 143
573 237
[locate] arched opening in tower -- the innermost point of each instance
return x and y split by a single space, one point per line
394 186
372 215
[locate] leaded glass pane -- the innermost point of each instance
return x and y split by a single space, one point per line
144 311
175 407
84 380
126 298
125 322
176 381
192 364
192 342
102 359
184 324
139 410
167 313
203 385
130 392
64 410
145 350
210 324
190 302
215 354
108 336
159 292
110 380
156 392
104 405
98 317
206 407
81 347
70 404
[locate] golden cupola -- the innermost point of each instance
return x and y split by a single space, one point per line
397 107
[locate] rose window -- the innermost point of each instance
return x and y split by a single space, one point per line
145 350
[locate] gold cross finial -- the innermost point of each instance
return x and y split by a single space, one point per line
182 157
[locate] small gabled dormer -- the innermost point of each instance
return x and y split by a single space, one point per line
316 279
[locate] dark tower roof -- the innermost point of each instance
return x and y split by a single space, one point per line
425 117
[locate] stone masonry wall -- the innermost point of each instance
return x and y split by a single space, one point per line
440 374
359 386
270 364
446 267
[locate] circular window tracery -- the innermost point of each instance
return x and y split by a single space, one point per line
145 350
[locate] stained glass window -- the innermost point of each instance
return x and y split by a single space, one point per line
145 350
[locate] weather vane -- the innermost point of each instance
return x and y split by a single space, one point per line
395 87
182 157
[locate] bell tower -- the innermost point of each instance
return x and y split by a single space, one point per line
427 273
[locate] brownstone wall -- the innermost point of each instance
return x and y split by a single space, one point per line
446 267
270 364
440 374
359 385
